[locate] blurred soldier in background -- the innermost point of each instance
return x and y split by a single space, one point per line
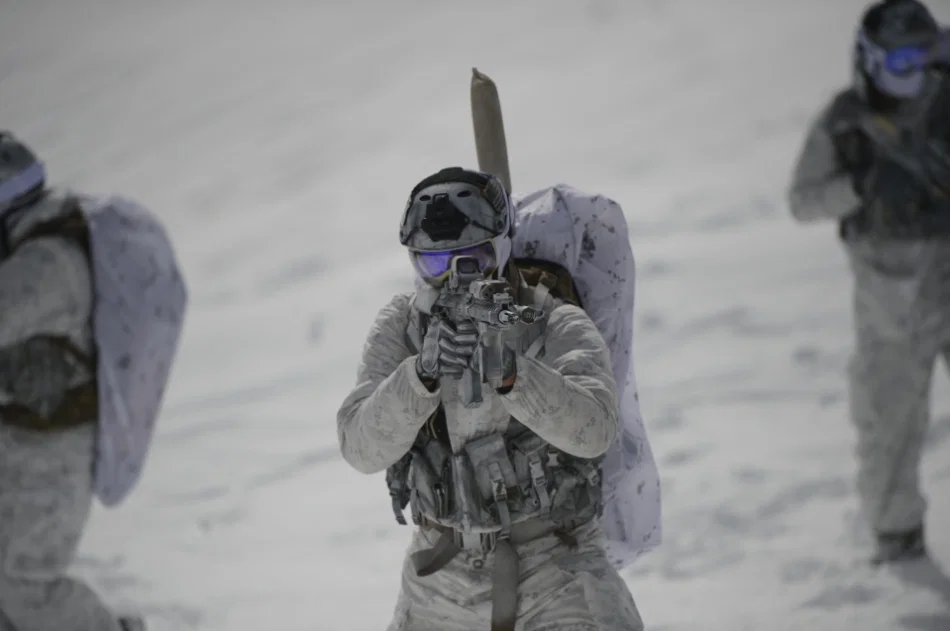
877 159
91 306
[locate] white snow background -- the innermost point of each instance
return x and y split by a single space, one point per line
279 139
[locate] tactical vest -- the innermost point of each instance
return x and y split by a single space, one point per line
500 490
498 480
51 383
900 204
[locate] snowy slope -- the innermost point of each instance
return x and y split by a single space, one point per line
279 139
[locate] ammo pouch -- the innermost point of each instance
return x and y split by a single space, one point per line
499 491
50 385
494 483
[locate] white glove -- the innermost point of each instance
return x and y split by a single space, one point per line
447 350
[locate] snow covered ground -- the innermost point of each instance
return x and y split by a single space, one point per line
279 139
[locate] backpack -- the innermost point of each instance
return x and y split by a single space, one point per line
577 244
139 304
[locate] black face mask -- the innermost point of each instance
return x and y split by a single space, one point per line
882 103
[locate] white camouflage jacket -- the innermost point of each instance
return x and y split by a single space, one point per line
568 396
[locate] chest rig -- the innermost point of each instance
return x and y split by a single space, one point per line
499 490
501 479
50 382
903 184
492 484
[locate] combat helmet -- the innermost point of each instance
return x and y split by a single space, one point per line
457 212
892 53
22 176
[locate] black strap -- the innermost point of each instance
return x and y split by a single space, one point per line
79 406
504 592
504 589
431 560
506 572
70 224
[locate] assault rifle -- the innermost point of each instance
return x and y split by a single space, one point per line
910 146
468 295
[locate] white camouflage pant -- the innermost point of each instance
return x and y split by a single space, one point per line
902 323
45 497
558 589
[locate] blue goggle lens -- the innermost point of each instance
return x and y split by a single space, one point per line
437 265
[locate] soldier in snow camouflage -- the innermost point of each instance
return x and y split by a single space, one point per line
47 428
878 160
507 495
88 330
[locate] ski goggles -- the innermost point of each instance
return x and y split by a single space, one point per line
899 71
435 266
21 184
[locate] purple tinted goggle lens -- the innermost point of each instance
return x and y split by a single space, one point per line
907 59
898 72
437 265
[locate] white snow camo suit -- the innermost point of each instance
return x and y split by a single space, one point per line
901 309
45 475
566 398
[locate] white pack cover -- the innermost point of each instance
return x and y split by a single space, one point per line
587 235
139 308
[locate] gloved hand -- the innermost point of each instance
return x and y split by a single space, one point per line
427 361
457 346
447 350
509 361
